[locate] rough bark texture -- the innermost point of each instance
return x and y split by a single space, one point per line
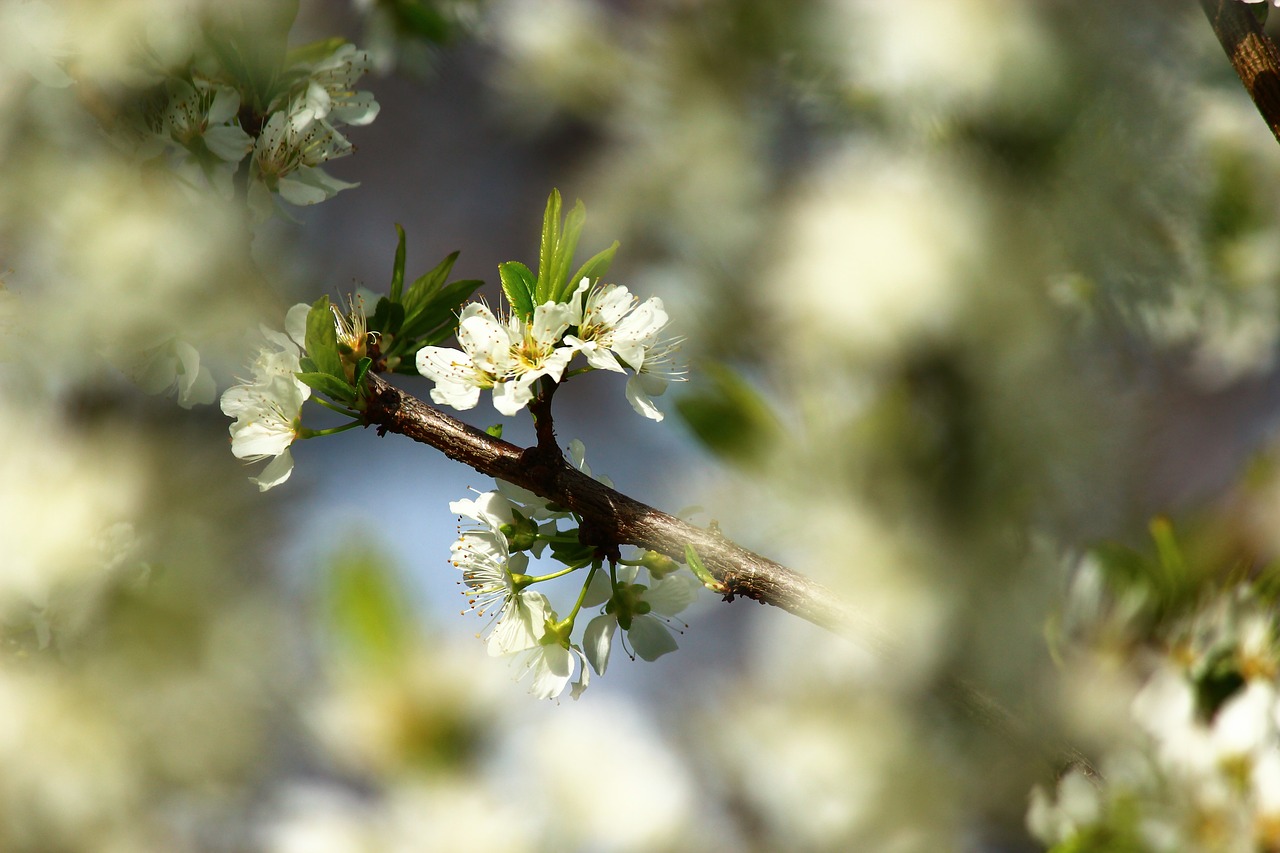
609 518
1252 54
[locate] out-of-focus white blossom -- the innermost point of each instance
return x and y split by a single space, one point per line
287 159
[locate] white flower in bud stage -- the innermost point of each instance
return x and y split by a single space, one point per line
287 157
650 634
505 356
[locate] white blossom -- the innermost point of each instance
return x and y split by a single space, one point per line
650 634
489 574
330 92
268 407
505 356
287 159
615 330
267 423
552 664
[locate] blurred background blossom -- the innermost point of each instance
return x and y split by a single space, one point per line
980 301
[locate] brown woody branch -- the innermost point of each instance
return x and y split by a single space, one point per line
1252 54
609 518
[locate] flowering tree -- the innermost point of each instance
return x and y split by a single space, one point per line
970 308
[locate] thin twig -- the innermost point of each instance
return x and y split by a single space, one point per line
1252 54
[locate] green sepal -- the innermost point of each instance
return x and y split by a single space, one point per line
520 286
730 417
330 386
322 340
694 562
362 369
307 365
494 430
593 269
397 267
571 552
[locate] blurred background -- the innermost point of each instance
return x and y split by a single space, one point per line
968 288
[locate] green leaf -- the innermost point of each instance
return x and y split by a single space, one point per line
439 319
592 269
331 386
424 289
694 562
565 247
362 368
495 430
422 20
309 54
550 237
519 285
729 416
322 340
397 267
367 615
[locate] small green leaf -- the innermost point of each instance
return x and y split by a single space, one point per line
309 54
495 430
397 267
592 269
423 21
729 416
519 285
565 247
362 368
367 615
550 237
331 386
427 285
694 562
438 319
322 340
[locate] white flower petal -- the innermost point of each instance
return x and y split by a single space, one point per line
597 641
650 637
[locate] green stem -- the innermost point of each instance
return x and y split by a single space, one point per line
582 594
335 407
315 433
577 371
553 575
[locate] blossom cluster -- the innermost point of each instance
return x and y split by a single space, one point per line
201 123
502 528
267 407
1206 775
606 323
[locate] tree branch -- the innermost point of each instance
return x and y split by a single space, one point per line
1252 54
610 518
